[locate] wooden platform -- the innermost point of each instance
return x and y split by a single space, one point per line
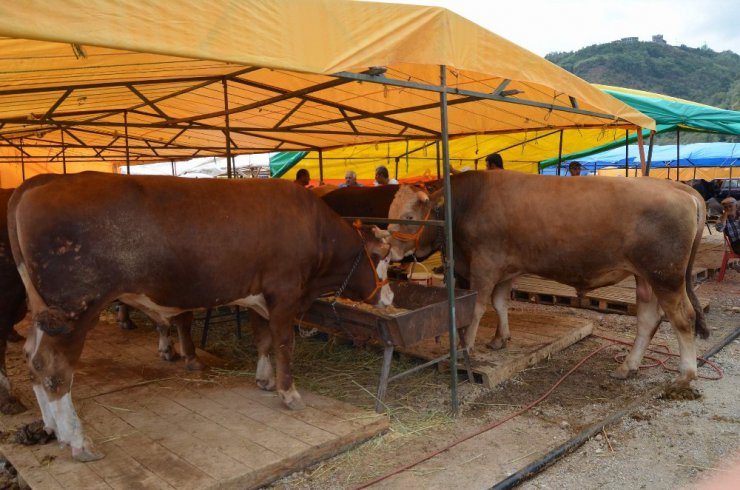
619 298
534 337
161 427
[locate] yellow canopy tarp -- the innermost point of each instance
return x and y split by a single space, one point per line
148 80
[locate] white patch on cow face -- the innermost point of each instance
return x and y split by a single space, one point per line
256 302
405 206
386 293
46 411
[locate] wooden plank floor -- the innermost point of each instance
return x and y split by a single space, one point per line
534 337
162 427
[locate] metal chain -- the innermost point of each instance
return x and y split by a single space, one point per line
346 280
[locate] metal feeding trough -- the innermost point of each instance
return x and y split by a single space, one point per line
418 313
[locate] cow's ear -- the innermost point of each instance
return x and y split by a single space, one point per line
422 196
52 322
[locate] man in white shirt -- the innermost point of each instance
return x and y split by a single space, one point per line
382 177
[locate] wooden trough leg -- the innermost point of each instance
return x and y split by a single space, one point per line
384 373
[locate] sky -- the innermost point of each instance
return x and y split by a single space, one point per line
546 26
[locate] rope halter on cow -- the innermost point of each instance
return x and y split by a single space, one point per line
378 282
412 237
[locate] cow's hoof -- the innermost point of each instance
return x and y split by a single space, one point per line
194 364
292 399
623 372
496 344
86 454
266 384
169 355
12 406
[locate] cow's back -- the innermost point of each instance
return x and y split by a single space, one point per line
554 226
173 240
367 202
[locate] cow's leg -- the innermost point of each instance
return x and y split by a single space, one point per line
481 282
166 351
9 405
123 316
265 375
500 300
283 338
680 312
648 320
183 322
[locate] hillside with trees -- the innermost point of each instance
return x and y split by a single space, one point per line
696 74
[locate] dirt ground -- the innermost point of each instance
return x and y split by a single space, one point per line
662 444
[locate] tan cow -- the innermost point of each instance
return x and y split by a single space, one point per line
587 232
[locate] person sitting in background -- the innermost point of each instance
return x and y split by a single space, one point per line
350 180
494 162
729 223
382 177
303 178
575 169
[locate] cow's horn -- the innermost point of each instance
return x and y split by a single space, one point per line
423 196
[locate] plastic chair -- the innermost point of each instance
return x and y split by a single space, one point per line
729 254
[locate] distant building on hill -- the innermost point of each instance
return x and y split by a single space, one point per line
629 40
658 38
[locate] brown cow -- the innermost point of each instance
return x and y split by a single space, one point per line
587 233
13 310
12 305
169 246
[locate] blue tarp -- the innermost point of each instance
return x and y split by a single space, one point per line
693 155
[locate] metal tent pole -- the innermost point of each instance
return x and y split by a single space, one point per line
560 152
626 153
23 163
439 166
650 154
229 163
321 167
125 128
449 259
678 153
64 153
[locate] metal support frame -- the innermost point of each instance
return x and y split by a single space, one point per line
128 157
450 257
227 132
678 154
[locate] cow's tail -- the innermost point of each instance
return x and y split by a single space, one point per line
700 324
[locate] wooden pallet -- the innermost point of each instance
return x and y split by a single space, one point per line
534 337
619 298
161 427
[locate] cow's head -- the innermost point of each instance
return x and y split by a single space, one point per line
369 282
50 352
410 203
